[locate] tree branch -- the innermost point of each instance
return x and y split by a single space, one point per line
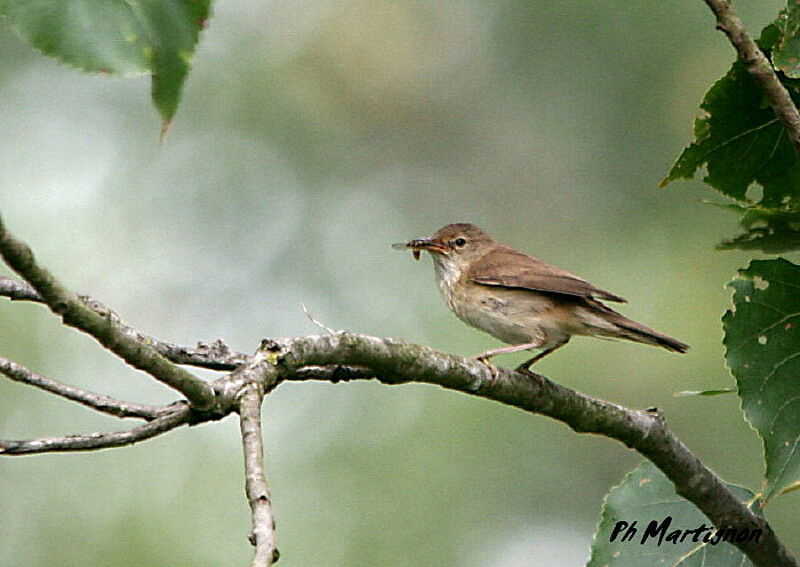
99 402
759 67
213 356
262 534
395 361
76 314
180 414
18 290
344 356
333 374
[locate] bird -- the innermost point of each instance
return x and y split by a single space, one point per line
521 300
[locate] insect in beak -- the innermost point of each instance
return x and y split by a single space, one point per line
418 245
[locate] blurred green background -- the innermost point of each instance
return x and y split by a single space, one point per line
311 136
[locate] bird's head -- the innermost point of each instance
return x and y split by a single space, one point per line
454 246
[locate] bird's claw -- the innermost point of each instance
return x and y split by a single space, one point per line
495 372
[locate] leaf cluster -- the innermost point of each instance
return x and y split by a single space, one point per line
743 147
117 37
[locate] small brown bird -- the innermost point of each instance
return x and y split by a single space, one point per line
521 300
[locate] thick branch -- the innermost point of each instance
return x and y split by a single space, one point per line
214 356
342 356
333 374
99 402
76 314
262 534
93 441
396 361
760 68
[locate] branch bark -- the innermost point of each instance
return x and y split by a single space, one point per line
396 362
759 67
345 356
213 356
180 415
262 533
99 402
104 329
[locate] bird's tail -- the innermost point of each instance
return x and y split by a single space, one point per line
631 330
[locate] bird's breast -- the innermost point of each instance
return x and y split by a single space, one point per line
447 276
514 316
510 315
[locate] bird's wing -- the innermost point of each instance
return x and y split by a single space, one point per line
506 267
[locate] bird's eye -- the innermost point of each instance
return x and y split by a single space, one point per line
460 242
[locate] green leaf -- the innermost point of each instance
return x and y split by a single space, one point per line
786 53
741 142
117 37
762 340
644 496
772 230
687 393
772 240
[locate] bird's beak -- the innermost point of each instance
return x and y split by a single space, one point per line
419 244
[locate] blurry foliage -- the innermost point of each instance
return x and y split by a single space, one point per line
117 37
771 229
717 392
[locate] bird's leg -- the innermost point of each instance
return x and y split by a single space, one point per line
484 357
525 366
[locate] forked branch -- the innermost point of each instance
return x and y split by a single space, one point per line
344 356
76 314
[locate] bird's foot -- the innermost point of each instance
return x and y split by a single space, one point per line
525 369
482 358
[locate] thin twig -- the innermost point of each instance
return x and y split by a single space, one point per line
262 534
93 441
318 323
213 356
99 402
759 67
104 329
